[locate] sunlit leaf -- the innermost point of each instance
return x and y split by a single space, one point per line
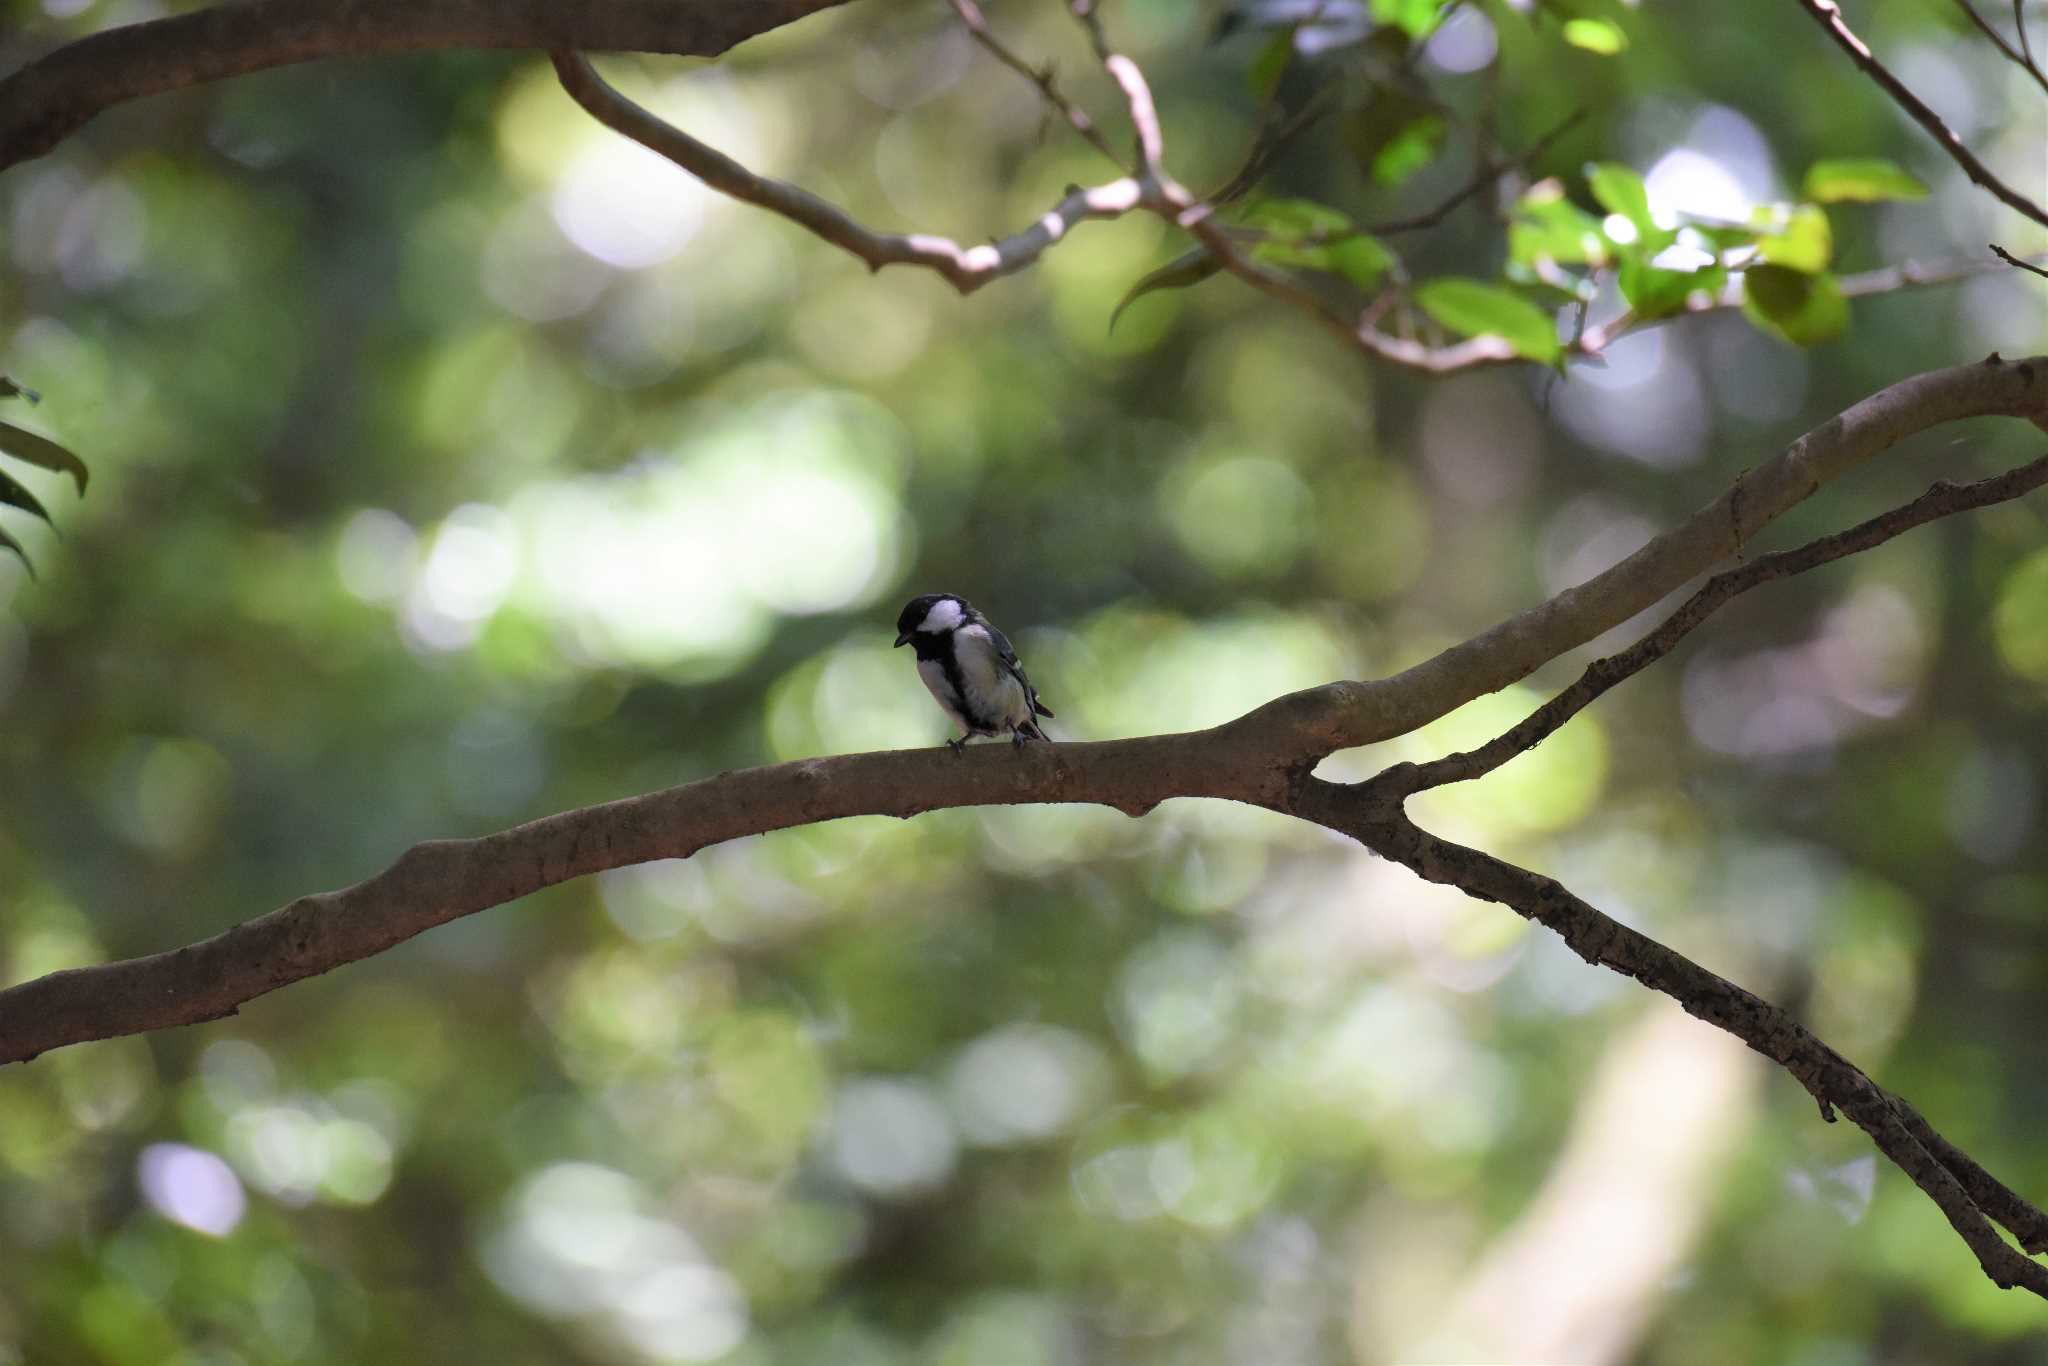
1620 190
1477 309
14 495
1361 258
1548 226
1654 292
1189 268
40 450
1317 237
1413 17
1393 135
1862 180
1595 35
1803 309
1411 149
1798 238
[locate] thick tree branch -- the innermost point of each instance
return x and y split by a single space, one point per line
1260 758
1340 715
965 268
1828 15
52 97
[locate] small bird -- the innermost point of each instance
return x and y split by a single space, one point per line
970 669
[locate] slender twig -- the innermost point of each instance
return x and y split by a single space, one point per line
1944 499
2022 58
1042 77
965 268
2022 263
1828 14
1900 1133
2019 23
1488 173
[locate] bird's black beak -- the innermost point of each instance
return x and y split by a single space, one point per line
903 639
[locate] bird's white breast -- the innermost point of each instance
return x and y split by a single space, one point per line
994 696
934 675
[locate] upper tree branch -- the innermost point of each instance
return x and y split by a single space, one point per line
1828 15
965 268
53 96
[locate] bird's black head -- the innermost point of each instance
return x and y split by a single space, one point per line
929 613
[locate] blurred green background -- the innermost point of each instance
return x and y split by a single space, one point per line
456 462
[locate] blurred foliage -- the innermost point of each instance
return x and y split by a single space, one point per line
456 462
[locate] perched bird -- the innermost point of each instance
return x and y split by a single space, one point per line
970 669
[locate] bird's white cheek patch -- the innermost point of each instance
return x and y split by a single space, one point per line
944 616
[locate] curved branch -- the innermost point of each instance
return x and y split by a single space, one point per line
442 880
1828 14
965 268
1966 1195
52 97
1261 758
1340 715
1943 500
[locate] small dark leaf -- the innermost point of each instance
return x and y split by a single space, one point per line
1803 309
1190 268
40 450
1393 135
7 542
14 495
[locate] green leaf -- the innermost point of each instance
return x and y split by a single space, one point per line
1548 226
1361 258
1411 149
1724 237
1393 135
14 495
1804 309
1270 65
1620 190
1189 268
1654 292
1413 17
1317 237
1862 180
40 450
7 542
1595 35
1478 309
1798 237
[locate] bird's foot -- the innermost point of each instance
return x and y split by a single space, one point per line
958 746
